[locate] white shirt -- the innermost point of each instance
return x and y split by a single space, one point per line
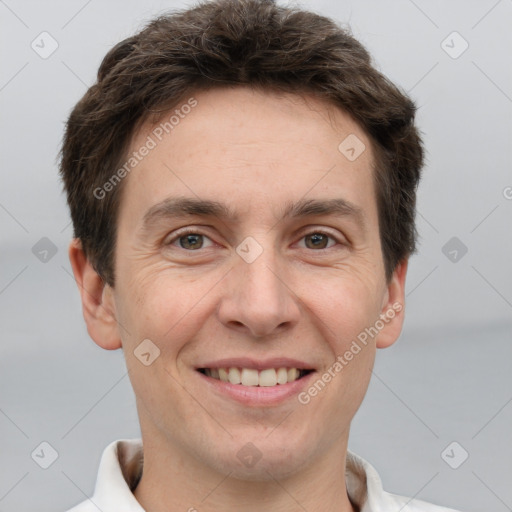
121 467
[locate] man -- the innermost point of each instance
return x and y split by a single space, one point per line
242 186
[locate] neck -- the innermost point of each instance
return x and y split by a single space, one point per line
176 481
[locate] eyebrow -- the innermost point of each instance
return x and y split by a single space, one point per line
173 207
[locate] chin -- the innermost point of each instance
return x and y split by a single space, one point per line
262 461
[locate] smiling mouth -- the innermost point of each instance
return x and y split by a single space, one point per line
251 377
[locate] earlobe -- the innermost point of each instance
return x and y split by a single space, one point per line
97 301
393 308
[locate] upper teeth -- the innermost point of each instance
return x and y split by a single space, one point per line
251 377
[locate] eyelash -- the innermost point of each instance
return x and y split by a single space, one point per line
191 231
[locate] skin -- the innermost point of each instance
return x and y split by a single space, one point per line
255 152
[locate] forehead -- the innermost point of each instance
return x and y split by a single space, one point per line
252 149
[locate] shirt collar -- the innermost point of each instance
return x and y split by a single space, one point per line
121 467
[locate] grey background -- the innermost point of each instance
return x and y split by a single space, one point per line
448 378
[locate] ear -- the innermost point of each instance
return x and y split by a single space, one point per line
98 304
393 307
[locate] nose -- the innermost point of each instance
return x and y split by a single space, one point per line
258 298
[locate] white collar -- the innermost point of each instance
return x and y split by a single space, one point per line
121 467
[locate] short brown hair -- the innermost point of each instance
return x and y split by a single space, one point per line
231 43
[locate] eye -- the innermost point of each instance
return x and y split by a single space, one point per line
190 240
318 240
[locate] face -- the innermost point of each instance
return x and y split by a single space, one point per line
248 240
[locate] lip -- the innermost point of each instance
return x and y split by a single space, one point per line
255 396
247 362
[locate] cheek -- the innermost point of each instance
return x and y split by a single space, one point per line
344 306
164 303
